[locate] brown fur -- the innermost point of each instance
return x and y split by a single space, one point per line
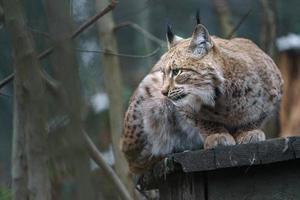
225 89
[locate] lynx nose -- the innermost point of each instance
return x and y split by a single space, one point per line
165 90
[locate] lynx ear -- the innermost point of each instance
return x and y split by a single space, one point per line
172 38
201 42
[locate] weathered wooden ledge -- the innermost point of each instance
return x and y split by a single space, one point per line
263 171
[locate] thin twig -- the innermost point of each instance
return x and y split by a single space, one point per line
143 31
93 19
51 84
239 24
39 32
129 15
79 30
121 54
98 158
6 80
5 95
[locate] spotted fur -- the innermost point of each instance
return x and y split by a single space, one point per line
203 90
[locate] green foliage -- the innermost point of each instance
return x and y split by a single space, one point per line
5 193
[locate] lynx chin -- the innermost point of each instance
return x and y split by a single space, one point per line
204 91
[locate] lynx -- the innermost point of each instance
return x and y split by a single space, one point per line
204 91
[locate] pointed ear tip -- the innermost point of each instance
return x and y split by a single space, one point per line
200 27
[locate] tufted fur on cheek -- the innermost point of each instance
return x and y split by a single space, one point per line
166 129
202 87
205 94
190 105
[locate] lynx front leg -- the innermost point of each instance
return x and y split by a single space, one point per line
249 136
216 135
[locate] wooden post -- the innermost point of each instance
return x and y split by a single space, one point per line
264 171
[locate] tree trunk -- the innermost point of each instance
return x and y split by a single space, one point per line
29 159
289 64
144 21
66 71
268 35
113 84
223 14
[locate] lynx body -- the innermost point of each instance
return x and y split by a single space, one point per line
204 91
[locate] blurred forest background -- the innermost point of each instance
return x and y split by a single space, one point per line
99 69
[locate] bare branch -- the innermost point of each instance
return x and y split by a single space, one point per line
78 31
6 80
93 19
239 24
143 31
98 158
52 85
5 95
35 31
121 54
130 15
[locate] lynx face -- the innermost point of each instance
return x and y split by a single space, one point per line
192 77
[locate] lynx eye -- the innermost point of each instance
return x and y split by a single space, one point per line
176 72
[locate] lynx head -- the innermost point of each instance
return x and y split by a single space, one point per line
192 72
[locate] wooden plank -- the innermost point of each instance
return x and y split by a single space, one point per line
193 161
275 150
150 179
296 145
275 181
239 155
270 151
181 186
147 181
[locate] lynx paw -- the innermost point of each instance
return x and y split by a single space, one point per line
221 139
252 136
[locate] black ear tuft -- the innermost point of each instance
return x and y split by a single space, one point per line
170 34
198 17
171 37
